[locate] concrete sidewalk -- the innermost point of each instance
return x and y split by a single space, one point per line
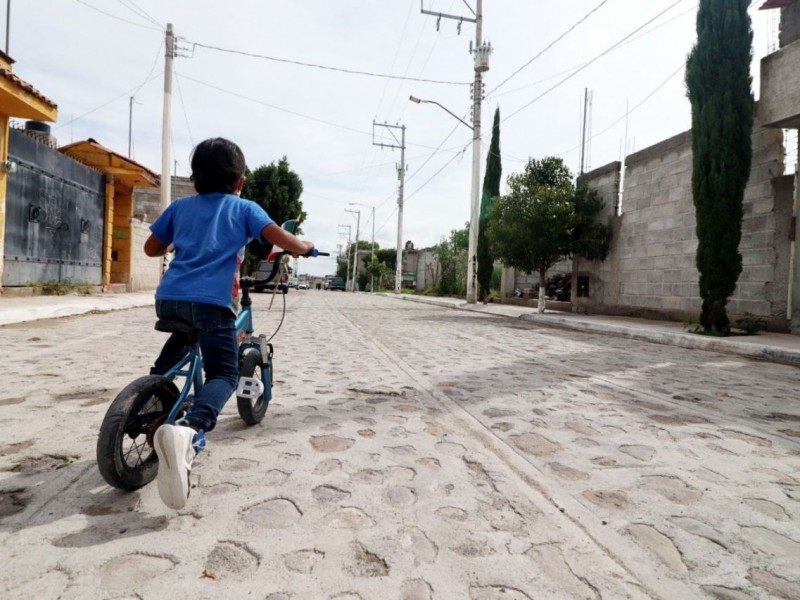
33 308
775 347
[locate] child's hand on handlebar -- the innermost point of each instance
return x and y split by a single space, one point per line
309 247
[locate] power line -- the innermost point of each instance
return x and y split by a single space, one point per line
550 45
571 69
183 106
139 11
641 102
108 14
571 75
447 164
114 99
325 67
285 110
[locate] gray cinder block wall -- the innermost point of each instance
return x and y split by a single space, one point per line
651 268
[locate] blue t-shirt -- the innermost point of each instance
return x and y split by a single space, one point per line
208 232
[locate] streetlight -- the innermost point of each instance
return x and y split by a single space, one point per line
472 266
444 108
371 278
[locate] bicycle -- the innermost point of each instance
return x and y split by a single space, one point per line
126 457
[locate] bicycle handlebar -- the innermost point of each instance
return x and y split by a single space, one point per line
249 281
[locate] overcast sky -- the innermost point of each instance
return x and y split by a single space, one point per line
92 56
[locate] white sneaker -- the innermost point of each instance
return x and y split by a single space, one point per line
173 445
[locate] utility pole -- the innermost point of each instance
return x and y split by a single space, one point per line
372 253
481 54
166 127
8 24
347 259
586 130
355 250
130 127
401 175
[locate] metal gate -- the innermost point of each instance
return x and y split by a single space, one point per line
54 217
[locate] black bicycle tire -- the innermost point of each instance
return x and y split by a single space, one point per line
252 412
110 460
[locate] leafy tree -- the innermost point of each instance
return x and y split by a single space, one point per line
548 172
344 262
590 239
491 188
277 189
529 228
451 255
388 256
380 271
719 89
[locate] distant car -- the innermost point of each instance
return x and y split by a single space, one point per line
262 271
337 283
292 283
302 285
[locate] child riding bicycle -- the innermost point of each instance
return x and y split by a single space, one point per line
207 232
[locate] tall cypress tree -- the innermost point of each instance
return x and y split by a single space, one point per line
719 89
491 189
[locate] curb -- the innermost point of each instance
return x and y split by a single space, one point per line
682 340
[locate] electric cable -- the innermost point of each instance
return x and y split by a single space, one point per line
571 75
183 106
139 11
550 45
325 67
108 14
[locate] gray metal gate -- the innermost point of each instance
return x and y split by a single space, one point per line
54 217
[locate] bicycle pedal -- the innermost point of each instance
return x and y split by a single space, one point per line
250 387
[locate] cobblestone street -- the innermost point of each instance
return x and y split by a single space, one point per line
411 452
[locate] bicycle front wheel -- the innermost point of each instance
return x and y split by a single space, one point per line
252 411
125 454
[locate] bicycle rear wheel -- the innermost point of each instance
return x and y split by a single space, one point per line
252 411
125 455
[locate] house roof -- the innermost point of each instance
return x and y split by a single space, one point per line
20 99
776 4
105 160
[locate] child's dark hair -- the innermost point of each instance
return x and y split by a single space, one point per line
217 164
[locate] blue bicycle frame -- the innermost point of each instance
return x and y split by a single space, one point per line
190 367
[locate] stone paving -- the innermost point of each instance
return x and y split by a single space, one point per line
411 452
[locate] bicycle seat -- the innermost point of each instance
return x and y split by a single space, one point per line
176 327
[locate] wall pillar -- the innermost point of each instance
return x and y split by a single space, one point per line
108 229
3 188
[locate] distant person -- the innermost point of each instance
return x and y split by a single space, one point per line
207 233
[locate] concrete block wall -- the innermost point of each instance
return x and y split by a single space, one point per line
147 201
651 267
650 270
790 24
146 271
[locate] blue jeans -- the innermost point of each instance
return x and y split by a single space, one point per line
216 328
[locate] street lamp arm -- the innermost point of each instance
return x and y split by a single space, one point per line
444 108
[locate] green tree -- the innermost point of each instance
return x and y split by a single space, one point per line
277 189
451 254
719 88
590 239
529 229
380 271
491 189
